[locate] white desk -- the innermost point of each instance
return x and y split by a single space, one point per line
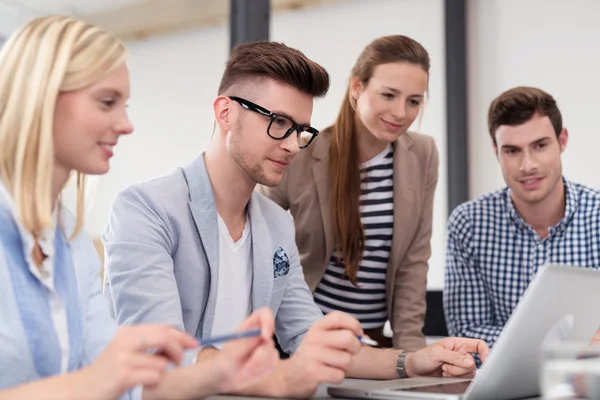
320 395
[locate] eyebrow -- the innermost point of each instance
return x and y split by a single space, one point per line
284 114
538 141
111 91
398 91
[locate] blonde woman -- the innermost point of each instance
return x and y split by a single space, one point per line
62 110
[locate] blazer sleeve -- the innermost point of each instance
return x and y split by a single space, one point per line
410 284
99 327
140 279
298 311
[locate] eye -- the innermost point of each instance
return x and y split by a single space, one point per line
387 96
542 145
415 103
281 122
510 151
108 102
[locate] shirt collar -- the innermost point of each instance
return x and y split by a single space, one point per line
572 203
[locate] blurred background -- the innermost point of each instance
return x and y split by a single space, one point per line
478 49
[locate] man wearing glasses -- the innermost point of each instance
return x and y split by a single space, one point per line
199 249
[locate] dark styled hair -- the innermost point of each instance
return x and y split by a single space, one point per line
271 60
518 105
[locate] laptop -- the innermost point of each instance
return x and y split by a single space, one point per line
558 305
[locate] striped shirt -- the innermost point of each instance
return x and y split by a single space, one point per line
367 301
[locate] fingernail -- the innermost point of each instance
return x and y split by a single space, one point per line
444 368
467 361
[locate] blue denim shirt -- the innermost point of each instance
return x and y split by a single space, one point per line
16 363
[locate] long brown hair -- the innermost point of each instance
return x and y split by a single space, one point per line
344 168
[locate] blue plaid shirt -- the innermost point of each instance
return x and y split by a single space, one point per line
492 254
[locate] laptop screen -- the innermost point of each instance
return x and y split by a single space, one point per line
443 388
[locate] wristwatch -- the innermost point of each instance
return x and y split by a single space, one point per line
400 364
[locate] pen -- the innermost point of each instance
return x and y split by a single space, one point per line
256 332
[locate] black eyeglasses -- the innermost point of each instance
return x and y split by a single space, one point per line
280 126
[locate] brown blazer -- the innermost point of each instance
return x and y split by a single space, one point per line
306 191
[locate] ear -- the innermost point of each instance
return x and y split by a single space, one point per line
563 139
222 110
356 87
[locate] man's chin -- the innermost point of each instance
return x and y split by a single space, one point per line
270 181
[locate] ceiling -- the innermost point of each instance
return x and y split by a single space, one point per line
79 7
138 19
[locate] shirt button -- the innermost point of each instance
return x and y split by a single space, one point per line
540 246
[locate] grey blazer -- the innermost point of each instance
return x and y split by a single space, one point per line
162 258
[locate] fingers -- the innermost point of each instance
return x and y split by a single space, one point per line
458 370
337 339
339 320
455 361
261 318
147 361
466 345
335 358
162 339
445 374
144 369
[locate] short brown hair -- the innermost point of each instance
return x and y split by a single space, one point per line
518 105
272 60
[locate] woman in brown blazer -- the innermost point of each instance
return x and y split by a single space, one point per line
362 197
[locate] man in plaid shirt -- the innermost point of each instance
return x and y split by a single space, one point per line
498 242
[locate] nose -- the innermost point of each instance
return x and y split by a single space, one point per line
399 109
291 143
528 163
124 125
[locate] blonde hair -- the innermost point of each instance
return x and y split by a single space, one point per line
46 56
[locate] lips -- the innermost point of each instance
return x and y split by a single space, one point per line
531 183
282 162
107 148
392 126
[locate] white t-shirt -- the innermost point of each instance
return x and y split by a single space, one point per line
235 280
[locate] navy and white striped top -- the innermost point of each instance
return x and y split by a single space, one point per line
367 302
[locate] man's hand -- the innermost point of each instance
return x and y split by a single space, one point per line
450 357
323 356
243 362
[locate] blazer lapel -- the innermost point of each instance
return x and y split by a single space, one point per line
262 256
320 170
405 164
204 212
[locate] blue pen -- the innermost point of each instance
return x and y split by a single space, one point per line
256 332
230 336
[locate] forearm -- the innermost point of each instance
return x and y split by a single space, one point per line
270 386
191 382
69 386
371 363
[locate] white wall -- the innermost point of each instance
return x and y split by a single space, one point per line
175 79
552 44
